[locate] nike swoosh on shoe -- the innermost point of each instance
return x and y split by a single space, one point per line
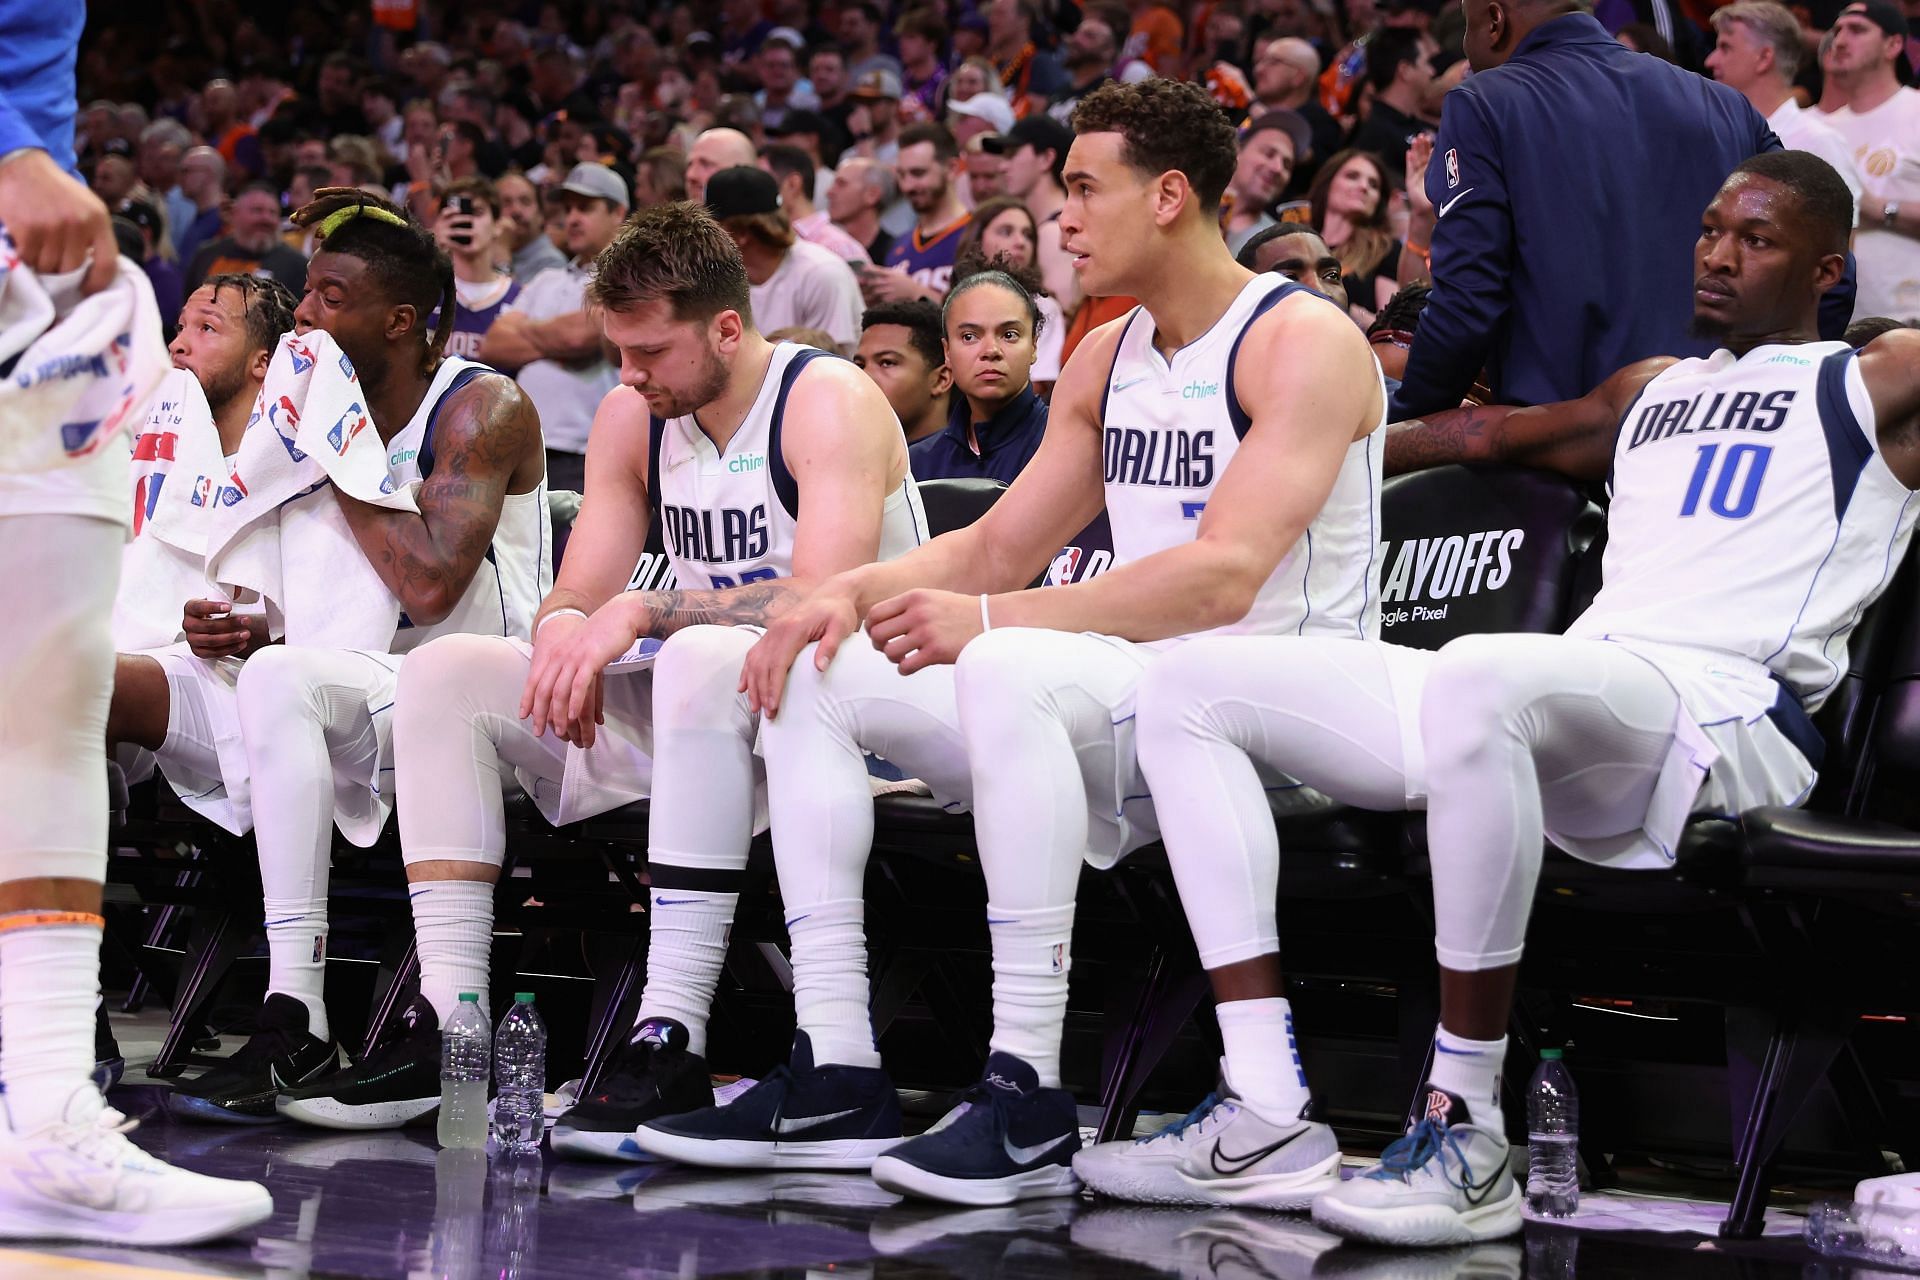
799 1124
1230 1165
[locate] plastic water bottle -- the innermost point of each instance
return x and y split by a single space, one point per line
1553 1139
520 1079
1872 1233
465 1043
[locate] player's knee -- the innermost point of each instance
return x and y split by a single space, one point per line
1174 697
1003 665
1473 696
439 678
696 678
274 684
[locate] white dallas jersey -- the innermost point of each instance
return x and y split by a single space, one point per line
1172 427
517 571
729 518
1753 513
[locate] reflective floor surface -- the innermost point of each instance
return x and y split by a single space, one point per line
388 1205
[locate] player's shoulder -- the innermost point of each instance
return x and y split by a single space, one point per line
829 381
488 398
1895 354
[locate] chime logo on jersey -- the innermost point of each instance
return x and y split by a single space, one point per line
1173 459
1444 569
726 536
1720 411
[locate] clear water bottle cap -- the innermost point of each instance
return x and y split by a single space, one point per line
1550 1055
523 997
470 997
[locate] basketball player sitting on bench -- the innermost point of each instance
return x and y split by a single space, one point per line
309 727
1761 498
770 467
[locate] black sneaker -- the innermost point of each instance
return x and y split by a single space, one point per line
280 1055
1007 1140
397 1083
108 1063
800 1117
652 1076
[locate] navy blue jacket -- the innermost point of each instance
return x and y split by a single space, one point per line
1569 182
1007 440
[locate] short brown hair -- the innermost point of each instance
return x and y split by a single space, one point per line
924 23
674 253
1773 24
770 229
1167 125
666 169
937 135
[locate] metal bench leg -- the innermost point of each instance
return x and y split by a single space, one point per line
615 1002
1797 1057
215 941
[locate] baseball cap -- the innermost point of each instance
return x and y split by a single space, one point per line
798 120
142 215
1883 14
598 181
990 107
878 83
742 190
787 36
1042 133
1287 122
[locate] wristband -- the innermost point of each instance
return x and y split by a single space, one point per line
30 919
558 613
986 623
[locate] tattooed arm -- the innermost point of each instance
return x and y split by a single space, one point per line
1573 437
487 444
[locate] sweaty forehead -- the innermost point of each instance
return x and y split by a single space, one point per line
1749 197
340 268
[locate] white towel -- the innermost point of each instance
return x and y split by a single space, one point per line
180 478
310 433
75 370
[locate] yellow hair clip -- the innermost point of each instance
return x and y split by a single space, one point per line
333 221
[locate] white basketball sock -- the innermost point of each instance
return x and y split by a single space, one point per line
1471 1070
297 947
1263 1059
49 989
830 982
1030 964
686 950
453 920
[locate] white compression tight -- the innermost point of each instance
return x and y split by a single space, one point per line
821 807
303 712
457 731
1517 730
56 681
1522 732
1044 730
1211 713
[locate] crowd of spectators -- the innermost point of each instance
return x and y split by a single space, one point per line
866 156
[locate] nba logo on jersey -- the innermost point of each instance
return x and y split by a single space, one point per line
1453 168
1059 957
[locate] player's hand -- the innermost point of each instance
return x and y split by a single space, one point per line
887 284
826 618
450 224
923 628
1419 156
55 221
213 631
563 691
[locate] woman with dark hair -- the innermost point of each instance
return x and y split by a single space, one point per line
990 322
1004 234
1347 205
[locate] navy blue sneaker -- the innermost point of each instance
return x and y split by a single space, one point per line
799 1117
1007 1140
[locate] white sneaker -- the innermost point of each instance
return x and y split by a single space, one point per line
1446 1182
81 1179
1222 1153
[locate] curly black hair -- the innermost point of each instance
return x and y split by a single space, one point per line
971 268
401 255
267 303
1168 125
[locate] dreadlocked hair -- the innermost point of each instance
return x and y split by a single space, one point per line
400 254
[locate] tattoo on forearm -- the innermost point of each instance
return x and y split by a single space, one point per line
1453 435
755 604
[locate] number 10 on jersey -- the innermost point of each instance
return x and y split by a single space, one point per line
1735 480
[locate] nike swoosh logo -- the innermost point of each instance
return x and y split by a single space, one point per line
675 902
798 1124
1130 382
281 1082
1230 1165
1477 1192
1441 212
1027 1155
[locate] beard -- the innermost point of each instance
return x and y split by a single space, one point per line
1709 329
706 387
222 389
